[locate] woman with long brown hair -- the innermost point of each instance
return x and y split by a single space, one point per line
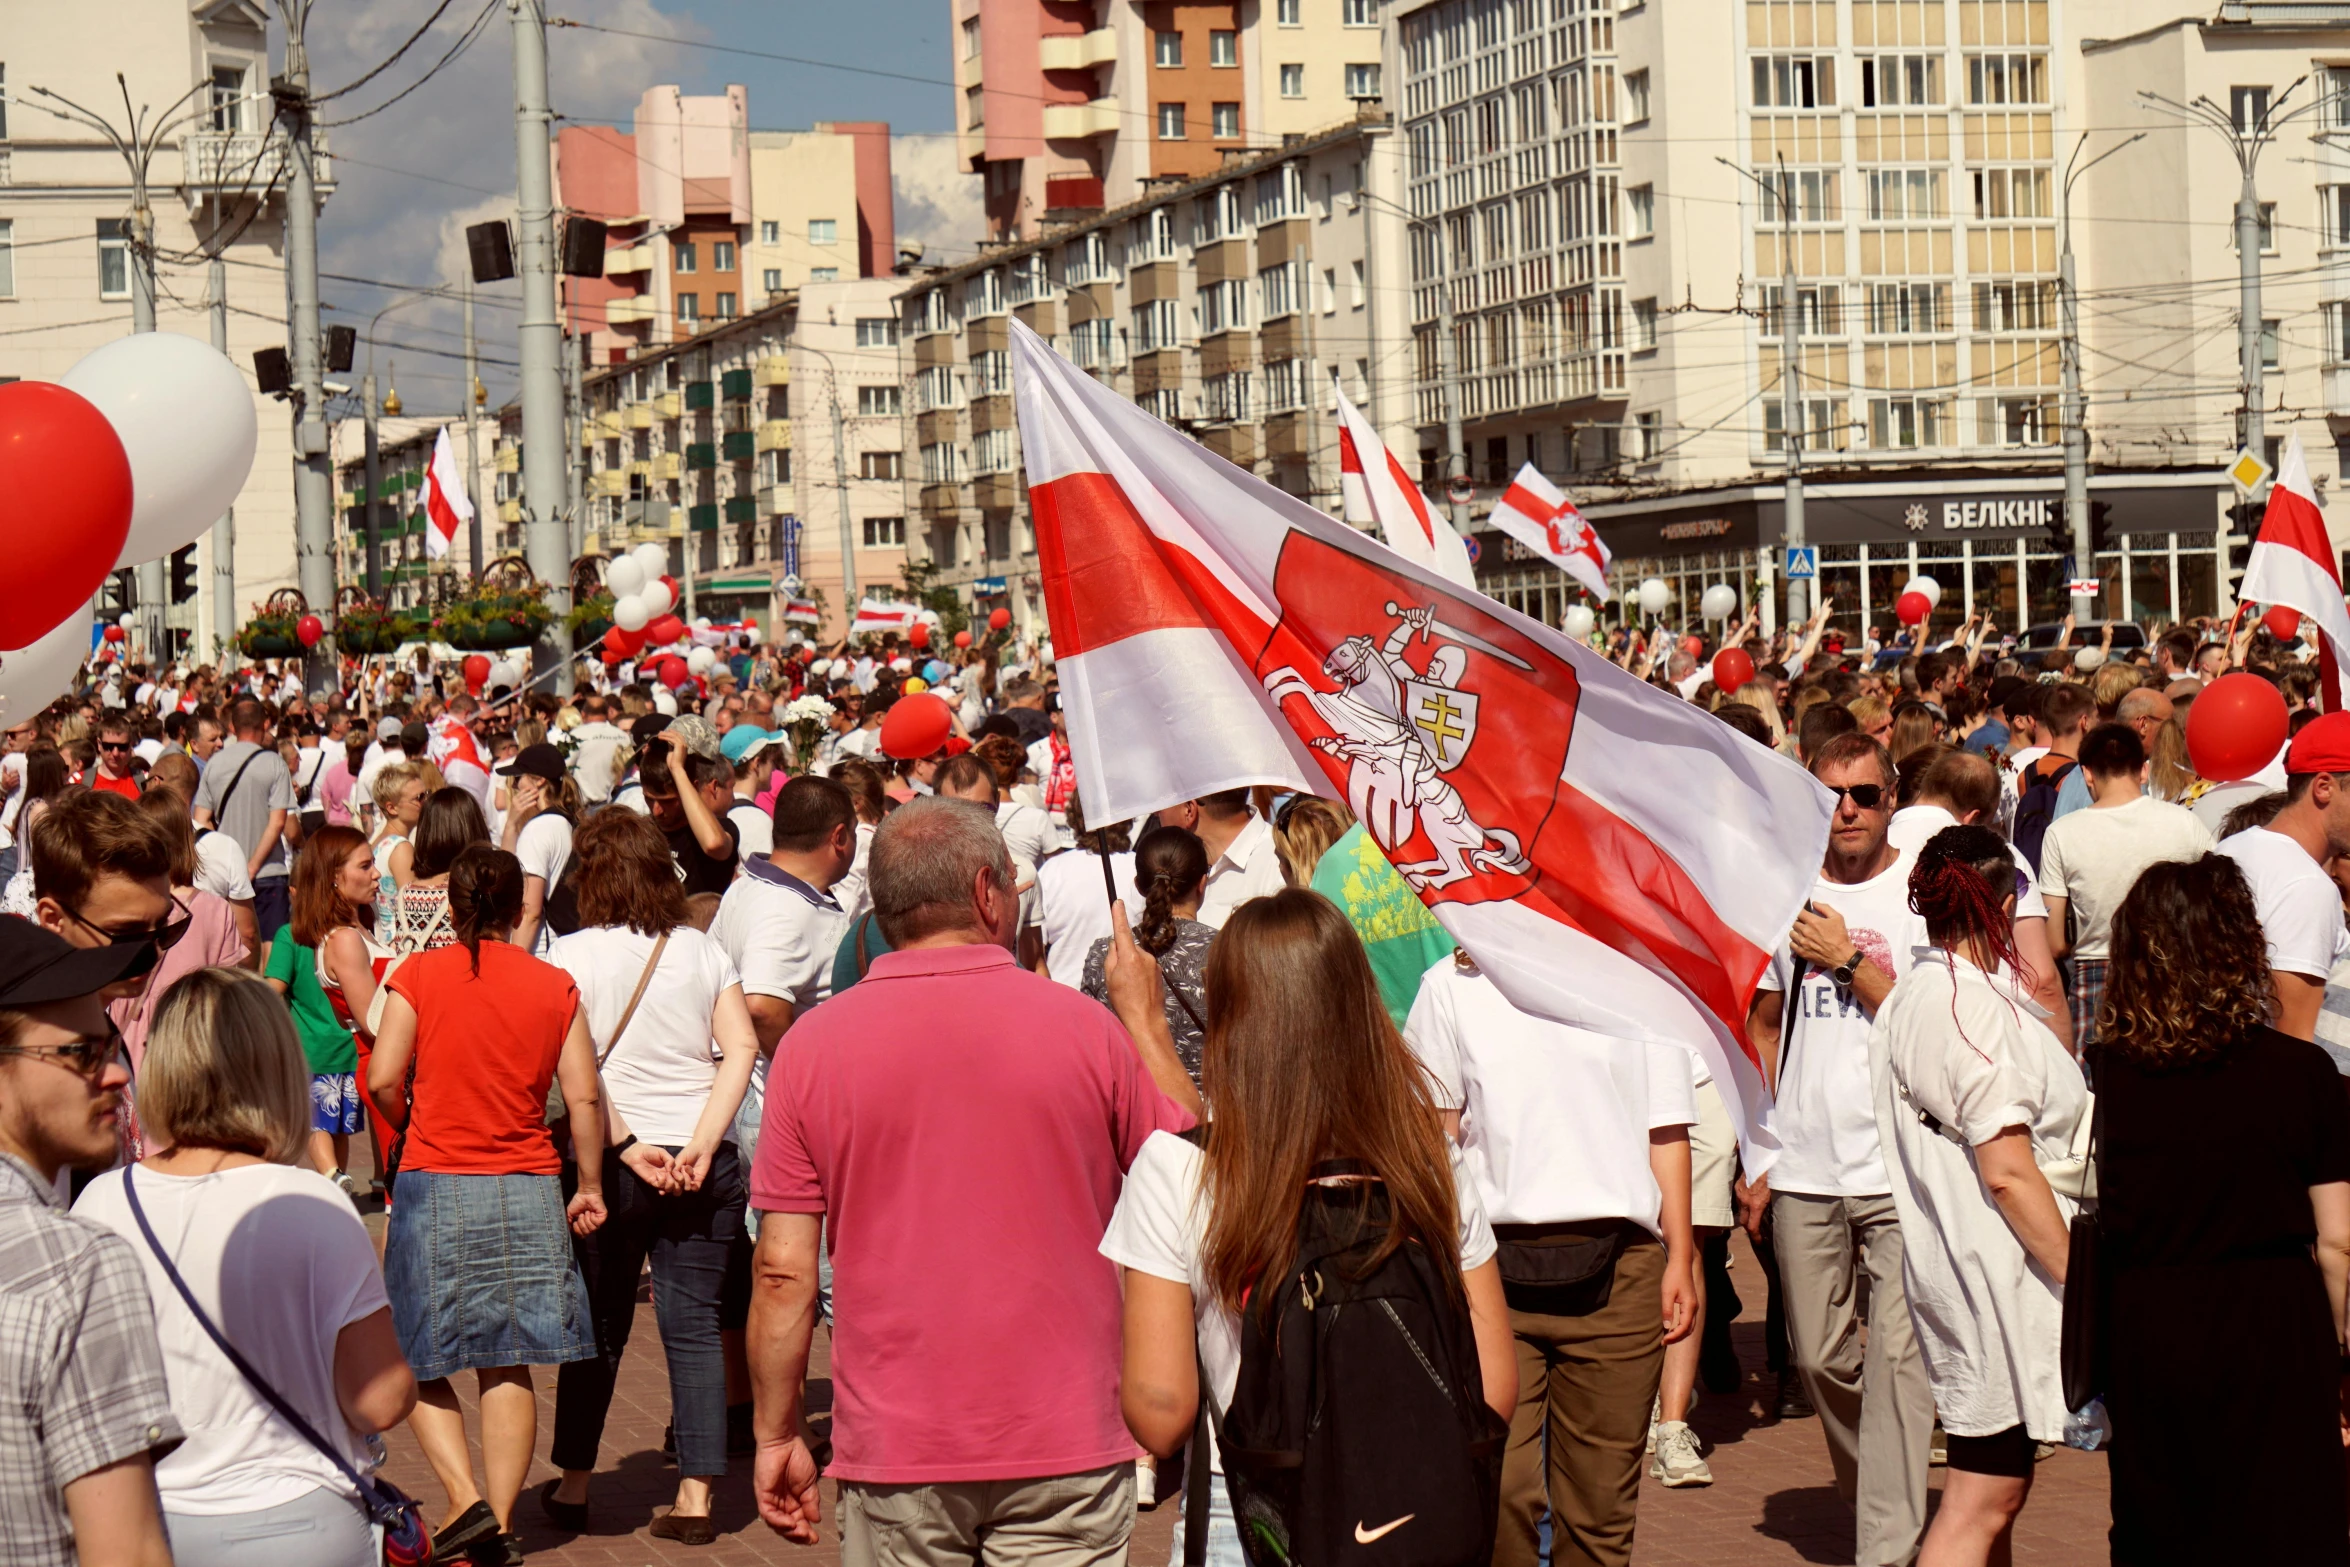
2223 1180
1171 869
1302 1065
333 933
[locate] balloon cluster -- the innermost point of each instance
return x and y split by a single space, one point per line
1917 600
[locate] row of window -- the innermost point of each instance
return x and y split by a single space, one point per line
1223 122
1808 81
686 257
821 231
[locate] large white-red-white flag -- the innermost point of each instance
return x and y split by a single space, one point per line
885 615
446 505
1376 492
1538 514
2294 563
1613 858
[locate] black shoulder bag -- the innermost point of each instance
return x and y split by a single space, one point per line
2081 1352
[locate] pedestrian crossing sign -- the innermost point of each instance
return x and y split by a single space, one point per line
1803 560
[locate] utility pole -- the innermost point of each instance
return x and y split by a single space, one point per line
374 573
313 482
224 532
840 484
1456 455
546 545
473 555
1790 373
575 447
2076 412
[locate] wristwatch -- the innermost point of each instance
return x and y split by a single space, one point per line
1843 972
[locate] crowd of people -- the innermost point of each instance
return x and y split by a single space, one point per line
1039 1116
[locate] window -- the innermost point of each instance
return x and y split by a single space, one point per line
1277 290
1154 237
1819 310
877 331
1293 81
824 274
1223 307
1648 436
991 373
1280 194
1896 423
725 306
1288 384
770 232
1358 13
1359 290
1642 200
2336 207
772 280
689 307
971 38
823 231
941 464
1794 81
2015 421
974 107
1811 192
1994 79
876 401
1225 396
1167 49
934 388
1329 291
1087 260
1362 81
1890 81
1823 424
1904 195
885 532
2012 193
2269 332
722 255
991 450
227 98
685 257
114 258
1156 325
1224 121
984 294
7 259
1907 309
2015 307
879 465
1635 97
3 103
1223 48
1643 324
1090 344
2247 107
2337 340
1170 122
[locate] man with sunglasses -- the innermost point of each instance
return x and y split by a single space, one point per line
1829 1195
116 772
84 1411
102 874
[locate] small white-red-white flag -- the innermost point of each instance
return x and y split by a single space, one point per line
446 505
1375 491
1538 514
802 612
1613 858
884 615
2294 563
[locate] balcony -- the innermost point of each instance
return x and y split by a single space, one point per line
610 421
700 396
739 445
2338 390
735 386
622 263
742 508
510 511
628 311
700 456
669 405
1073 121
775 500
774 370
640 416
774 436
703 518
509 460
611 482
244 160
1077 51
669 467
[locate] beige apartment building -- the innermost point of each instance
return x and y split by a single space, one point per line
1615 292
1225 305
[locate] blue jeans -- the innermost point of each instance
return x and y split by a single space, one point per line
1224 1548
688 1236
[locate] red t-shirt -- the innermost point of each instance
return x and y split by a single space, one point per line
128 788
486 1047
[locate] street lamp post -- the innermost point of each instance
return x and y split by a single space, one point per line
2076 432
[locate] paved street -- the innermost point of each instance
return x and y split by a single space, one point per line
1771 1503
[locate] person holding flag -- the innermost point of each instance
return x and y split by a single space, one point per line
1538 514
2294 564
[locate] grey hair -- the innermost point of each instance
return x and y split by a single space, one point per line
925 857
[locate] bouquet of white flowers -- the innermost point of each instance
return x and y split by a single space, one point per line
806 717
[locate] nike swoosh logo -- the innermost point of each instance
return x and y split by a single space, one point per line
1365 1536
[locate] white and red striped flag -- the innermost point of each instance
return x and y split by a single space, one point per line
1612 857
1538 514
1376 492
884 615
802 612
446 505
2294 563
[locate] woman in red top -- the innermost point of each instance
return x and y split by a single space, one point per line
476 1258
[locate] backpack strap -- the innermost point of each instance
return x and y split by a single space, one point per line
1200 1479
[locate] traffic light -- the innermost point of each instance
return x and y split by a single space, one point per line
2243 527
183 574
2100 522
120 595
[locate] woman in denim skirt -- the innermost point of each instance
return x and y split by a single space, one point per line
477 1258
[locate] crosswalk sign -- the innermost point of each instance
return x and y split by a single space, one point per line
1803 560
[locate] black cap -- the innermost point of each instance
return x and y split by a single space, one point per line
38 966
2004 689
536 761
648 727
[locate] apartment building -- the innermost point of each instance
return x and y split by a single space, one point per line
1223 304
820 207
1615 293
1069 107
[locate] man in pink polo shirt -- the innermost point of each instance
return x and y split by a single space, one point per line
961 1128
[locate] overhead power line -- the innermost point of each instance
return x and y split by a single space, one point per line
388 63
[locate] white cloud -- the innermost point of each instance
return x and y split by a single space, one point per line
938 202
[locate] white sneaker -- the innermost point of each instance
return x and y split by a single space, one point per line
1146 1482
1656 1410
1678 1462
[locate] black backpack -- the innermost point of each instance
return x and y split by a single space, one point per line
2035 808
1358 1431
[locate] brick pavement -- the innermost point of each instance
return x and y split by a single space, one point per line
1771 1503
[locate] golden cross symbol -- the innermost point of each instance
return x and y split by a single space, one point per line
1440 719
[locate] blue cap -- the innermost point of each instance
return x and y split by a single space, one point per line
739 741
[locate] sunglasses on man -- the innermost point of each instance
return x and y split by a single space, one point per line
1867 796
89 1056
165 935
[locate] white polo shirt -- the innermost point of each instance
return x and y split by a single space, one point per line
1073 908
1554 1119
1913 826
1249 867
781 935
2300 907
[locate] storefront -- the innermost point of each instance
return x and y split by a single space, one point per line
1996 545
742 595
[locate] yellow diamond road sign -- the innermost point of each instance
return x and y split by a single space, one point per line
2249 472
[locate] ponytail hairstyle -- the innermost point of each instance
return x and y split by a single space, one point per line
485 895
1962 880
1169 865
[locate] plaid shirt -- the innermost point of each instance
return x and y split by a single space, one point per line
81 1373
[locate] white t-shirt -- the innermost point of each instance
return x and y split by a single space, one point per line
782 935
661 1071
2213 806
1913 826
754 829
282 1264
220 868
2094 858
1249 867
597 747
1073 908
1554 1119
544 848
853 892
1827 1118
2300 907
1160 1228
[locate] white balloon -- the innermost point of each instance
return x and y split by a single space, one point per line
126 620
629 612
651 559
822 666
505 672
701 622
1926 585
624 576
185 416
901 665
38 674
1719 603
1578 621
1655 594
656 597
701 660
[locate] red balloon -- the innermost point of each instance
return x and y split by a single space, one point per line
477 668
115 634
69 490
2284 624
308 630
1733 667
962 639
998 620
1694 646
663 630
613 657
919 635
2236 727
676 593
1912 608
674 673
626 641
916 726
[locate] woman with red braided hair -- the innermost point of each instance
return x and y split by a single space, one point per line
1974 1096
